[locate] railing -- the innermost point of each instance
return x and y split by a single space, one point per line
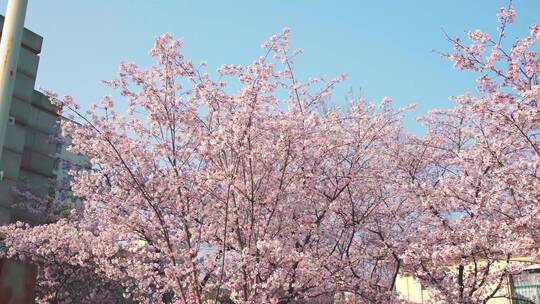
526 294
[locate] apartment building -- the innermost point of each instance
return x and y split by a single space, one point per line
30 159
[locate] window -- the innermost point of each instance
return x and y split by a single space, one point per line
56 164
526 287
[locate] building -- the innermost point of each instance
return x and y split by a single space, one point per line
30 158
64 162
521 288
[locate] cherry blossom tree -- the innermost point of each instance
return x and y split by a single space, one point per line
246 188
476 173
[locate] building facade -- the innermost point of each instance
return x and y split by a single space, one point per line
30 158
31 161
521 288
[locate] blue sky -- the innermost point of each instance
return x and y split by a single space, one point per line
385 47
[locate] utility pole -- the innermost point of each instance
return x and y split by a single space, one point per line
16 279
10 46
